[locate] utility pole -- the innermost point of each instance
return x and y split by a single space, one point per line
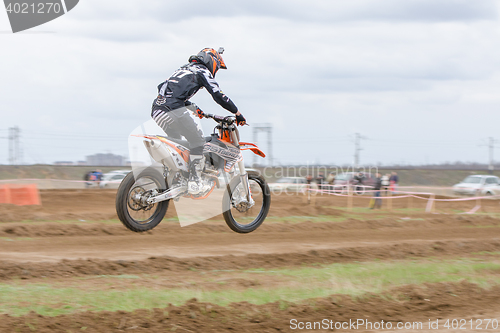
491 150
491 147
14 145
357 148
268 128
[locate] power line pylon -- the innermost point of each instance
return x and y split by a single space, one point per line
268 128
15 155
357 148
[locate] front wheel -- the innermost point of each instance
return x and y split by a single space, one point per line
236 211
131 205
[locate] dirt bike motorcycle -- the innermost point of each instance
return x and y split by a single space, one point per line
143 196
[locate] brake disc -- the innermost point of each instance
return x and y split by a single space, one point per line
138 198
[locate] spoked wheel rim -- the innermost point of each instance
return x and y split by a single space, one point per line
137 207
243 216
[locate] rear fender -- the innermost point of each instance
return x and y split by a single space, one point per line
181 150
166 152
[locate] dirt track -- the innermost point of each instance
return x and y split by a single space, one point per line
84 245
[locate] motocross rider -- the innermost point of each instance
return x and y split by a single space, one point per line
174 113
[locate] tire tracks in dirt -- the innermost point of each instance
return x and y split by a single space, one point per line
402 304
398 251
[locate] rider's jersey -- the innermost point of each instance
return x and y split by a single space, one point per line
175 92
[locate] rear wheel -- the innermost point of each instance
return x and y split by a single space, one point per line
131 206
236 211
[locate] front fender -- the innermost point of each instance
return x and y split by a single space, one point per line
253 147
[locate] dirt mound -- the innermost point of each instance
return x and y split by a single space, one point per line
47 229
297 205
40 252
68 268
64 205
408 304
92 204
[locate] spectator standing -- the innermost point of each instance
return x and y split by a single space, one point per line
394 180
385 182
358 182
320 180
92 178
359 178
98 177
331 178
87 179
377 202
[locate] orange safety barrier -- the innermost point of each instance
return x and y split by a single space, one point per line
4 194
20 195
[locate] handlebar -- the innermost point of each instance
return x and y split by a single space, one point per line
228 120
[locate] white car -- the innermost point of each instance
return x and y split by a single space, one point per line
113 179
289 184
478 185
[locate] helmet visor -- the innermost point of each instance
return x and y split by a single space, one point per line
222 64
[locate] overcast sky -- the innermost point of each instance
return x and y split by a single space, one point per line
419 79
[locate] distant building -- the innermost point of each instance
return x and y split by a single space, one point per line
105 160
81 163
63 163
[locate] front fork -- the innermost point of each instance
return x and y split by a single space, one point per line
241 167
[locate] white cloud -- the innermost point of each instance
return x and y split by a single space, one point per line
389 68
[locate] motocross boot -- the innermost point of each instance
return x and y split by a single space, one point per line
195 183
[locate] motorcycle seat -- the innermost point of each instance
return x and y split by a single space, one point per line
184 143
